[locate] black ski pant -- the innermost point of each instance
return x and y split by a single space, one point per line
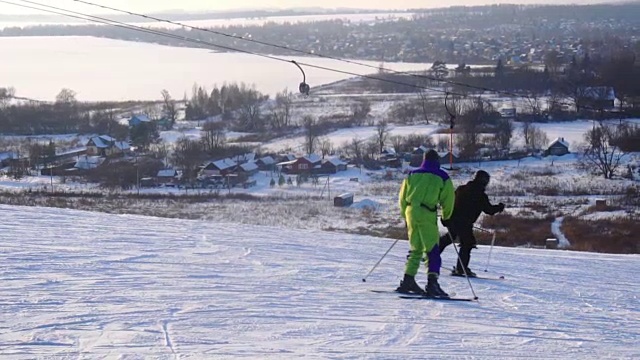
464 234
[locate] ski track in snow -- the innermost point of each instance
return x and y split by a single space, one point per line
82 285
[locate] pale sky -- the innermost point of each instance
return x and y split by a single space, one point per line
148 6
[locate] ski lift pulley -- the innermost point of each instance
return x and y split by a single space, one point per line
304 87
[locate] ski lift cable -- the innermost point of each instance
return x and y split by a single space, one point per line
304 52
106 21
102 20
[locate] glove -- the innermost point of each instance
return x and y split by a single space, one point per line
501 205
446 223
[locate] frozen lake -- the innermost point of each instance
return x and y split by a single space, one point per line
105 69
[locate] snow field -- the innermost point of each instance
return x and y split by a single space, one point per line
88 285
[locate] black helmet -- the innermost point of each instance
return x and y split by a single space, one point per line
482 177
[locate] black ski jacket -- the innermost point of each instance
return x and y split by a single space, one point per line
471 201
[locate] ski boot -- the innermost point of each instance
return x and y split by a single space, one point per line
433 288
460 272
408 285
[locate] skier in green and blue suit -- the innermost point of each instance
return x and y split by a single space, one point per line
422 191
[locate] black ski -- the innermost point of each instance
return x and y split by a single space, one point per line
480 277
424 297
452 294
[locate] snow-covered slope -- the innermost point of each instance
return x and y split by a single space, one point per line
94 286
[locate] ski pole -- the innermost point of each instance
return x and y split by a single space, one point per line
493 240
364 279
475 297
482 229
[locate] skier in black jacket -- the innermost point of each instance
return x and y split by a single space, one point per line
471 201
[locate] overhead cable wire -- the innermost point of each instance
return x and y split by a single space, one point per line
316 54
304 52
102 20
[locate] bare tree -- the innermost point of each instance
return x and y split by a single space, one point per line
355 149
6 94
188 155
397 141
537 138
526 132
540 139
281 112
326 147
553 61
534 104
169 108
601 152
443 143
67 97
312 133
425 102
359 111
382 133
213 135
469 137
504 133
371 149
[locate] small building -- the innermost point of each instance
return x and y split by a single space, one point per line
87 162
166 177
303 165
332 166
6 157
343 200
596 97
266 163
220 167
241 159
139 119
447 156
286 157
105 145
558 147
248 169
508 113
388 153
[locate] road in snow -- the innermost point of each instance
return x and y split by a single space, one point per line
87 285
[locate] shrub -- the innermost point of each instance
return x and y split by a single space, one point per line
516 231
618 236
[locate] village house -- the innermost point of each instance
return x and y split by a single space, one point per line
139 119
245 158
333 166
222 167
446 157
285 157
167 177
266 163
248 169
105 145
303 165
388 153
596 97
558 147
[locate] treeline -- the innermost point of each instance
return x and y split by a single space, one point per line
582 87
241 107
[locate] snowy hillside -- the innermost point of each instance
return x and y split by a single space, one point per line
87 285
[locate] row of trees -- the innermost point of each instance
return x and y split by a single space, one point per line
240 106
